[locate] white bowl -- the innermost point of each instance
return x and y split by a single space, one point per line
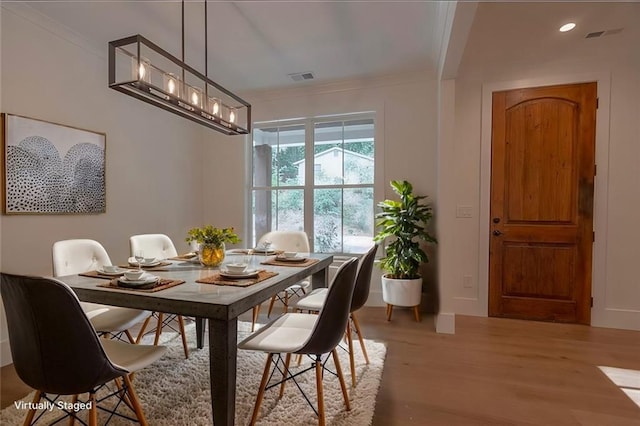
236 267
133 274
290 254
110 268
148 260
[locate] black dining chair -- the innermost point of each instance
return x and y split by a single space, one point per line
315 301
56 350
307 334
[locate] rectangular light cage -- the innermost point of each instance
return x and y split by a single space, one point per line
139 68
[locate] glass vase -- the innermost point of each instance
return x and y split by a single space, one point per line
211 254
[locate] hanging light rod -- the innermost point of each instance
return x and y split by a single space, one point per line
141 69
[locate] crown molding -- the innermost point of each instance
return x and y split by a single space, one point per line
28 13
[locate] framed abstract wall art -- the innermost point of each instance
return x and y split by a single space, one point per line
50 168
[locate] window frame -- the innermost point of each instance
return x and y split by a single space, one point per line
310 186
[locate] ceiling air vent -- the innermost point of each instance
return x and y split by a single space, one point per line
596 34
301 76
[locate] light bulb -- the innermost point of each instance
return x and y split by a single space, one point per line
171 86
232 115
214 106
194 98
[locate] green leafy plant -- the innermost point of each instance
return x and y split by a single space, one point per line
211 235
406 222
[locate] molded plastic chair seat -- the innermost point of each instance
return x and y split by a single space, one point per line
313 301
56 350
286 334
296 333
83 255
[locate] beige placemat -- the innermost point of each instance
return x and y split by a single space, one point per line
96 274
218 279
254 252
159 267
162 284
276 262
186 256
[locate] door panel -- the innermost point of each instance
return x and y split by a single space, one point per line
543 150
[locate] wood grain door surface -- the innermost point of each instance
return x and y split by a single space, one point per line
542 180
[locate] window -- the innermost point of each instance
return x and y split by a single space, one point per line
333 199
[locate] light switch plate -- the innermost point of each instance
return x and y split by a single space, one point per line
463 211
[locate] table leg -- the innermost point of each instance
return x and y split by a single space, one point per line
200 332
222 369
320 279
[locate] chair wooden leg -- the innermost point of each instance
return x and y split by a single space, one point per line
352 361
389 312
72 417
285 307
254 320
285 373
144 327
343 386
184 336
133 397
263 385
93 411
32 411
416 311
158 329
273 300
130 337
320 392
360 338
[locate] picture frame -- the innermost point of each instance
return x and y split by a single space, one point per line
51 168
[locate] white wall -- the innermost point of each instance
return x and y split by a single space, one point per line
616 288
153 167
406 126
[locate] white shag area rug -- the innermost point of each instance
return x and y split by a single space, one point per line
175 391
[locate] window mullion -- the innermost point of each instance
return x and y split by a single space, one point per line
309 178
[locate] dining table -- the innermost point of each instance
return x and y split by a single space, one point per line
219 306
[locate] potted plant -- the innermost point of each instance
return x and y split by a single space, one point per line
211 242
405 223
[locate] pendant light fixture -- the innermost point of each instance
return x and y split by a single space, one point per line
139 68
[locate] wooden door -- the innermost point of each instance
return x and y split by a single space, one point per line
542 175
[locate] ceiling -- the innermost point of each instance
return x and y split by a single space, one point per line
255 44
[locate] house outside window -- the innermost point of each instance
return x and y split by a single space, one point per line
332 201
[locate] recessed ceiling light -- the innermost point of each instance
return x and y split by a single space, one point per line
567 27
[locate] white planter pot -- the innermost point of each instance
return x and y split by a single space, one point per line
401 292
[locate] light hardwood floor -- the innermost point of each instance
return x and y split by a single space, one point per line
491 372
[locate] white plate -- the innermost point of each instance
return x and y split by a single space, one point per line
263 251
146 279
246 274
118 271
134 262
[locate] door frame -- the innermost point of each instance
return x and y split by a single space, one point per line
598 271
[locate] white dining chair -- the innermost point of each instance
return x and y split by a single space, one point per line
306 334
296 241
83 255
161 247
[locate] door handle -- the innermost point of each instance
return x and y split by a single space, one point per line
497 233
496 220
